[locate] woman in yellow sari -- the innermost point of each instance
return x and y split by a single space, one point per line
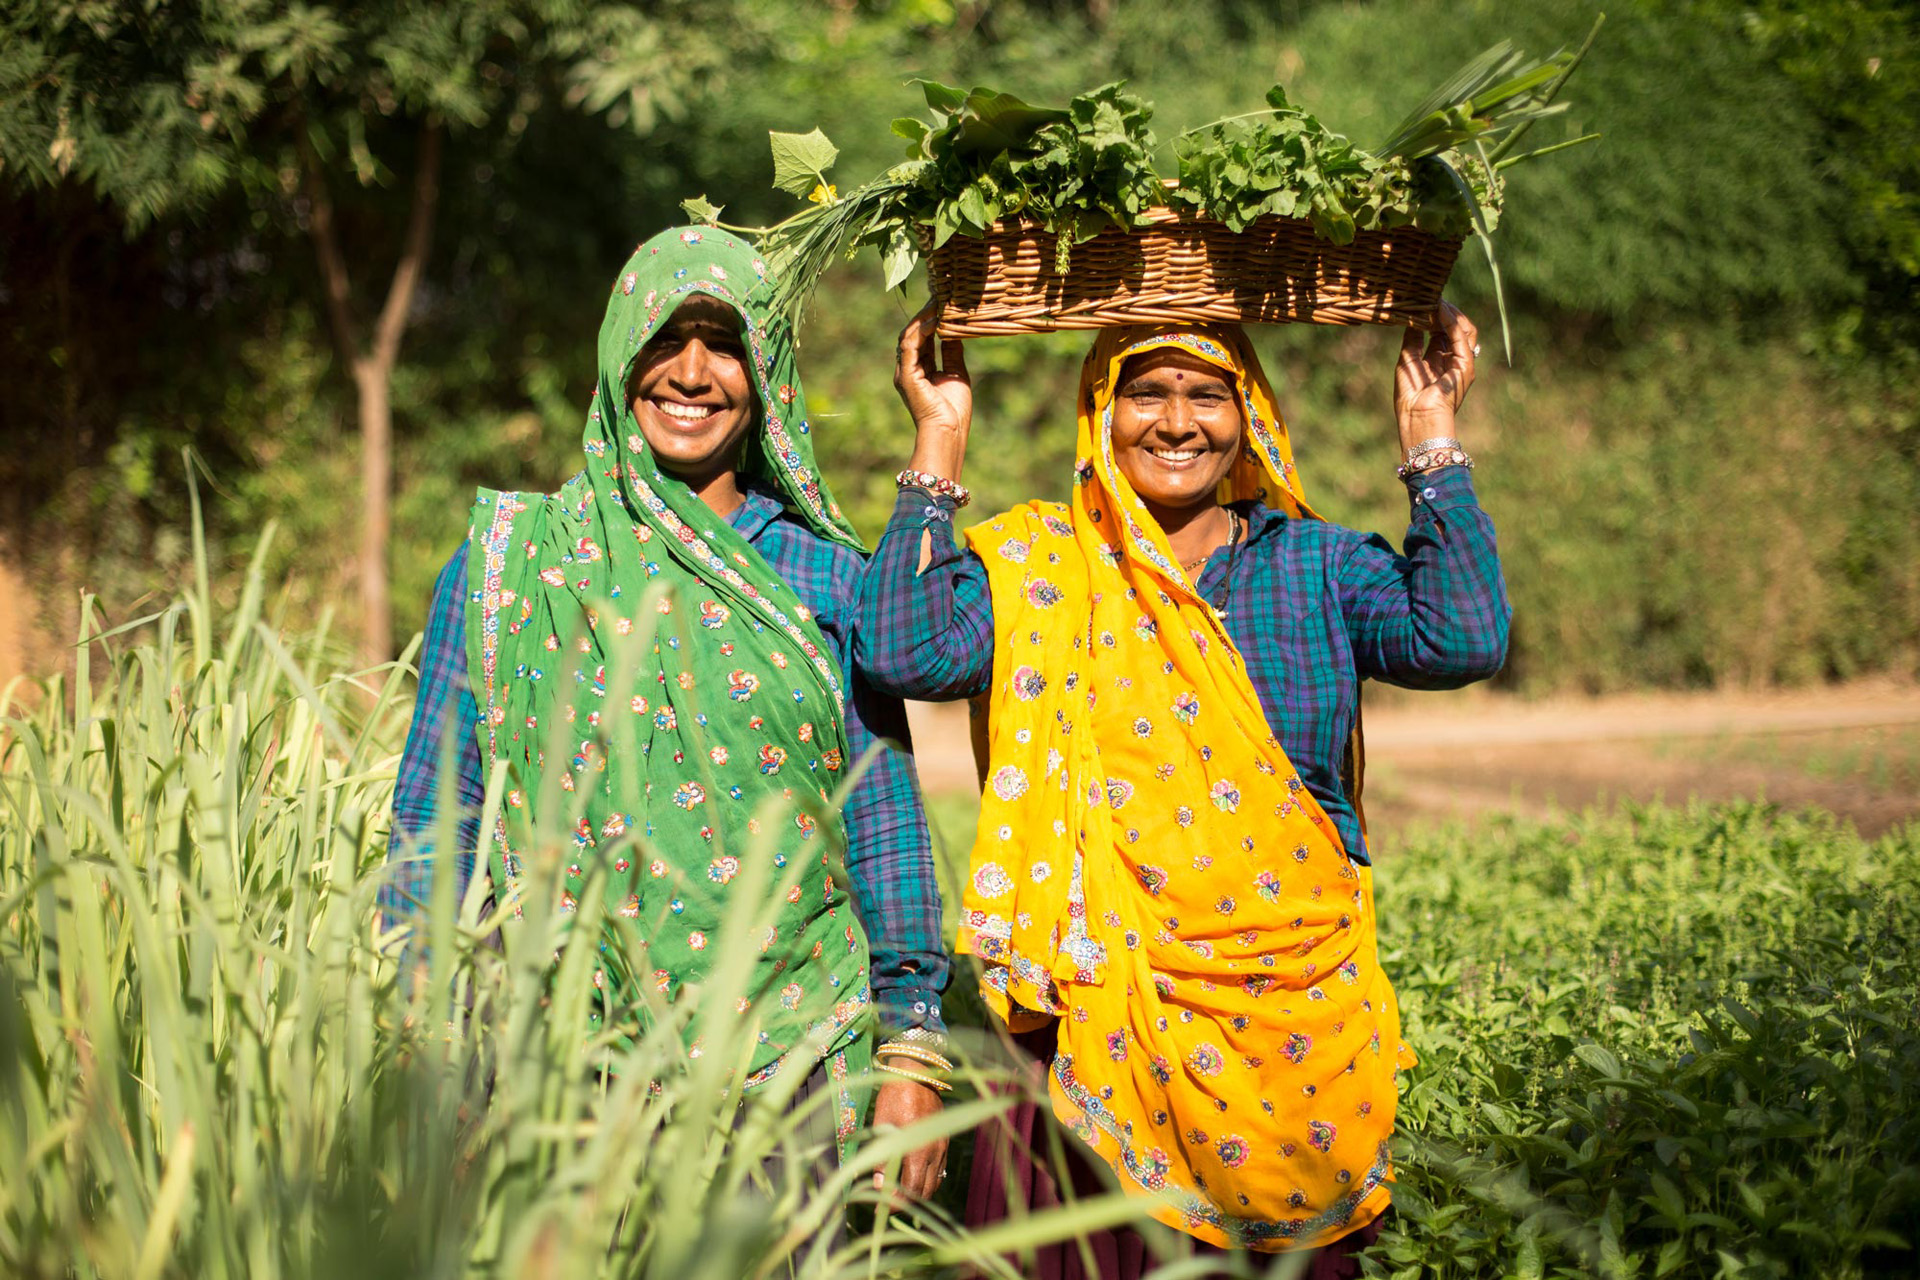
1170 892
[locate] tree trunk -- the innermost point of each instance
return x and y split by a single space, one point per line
373 369
376 495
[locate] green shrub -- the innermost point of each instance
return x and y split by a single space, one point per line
1674 1044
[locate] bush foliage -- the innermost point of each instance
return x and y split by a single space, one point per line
1701 464
1679 1043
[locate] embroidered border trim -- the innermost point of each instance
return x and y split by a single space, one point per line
1242 1231
493 544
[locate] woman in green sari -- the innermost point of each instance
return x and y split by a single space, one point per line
701 519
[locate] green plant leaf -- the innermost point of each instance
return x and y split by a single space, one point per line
801 160
943 98
1599 1059
901 255
700 209
993 122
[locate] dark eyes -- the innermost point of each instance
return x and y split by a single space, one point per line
723 344
1147 395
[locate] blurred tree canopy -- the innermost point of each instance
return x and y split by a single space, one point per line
1703 465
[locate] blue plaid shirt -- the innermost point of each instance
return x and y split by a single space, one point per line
889 856
1313 608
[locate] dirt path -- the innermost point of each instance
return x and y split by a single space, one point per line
1854 749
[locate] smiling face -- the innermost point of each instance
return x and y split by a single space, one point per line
1177 427
691 392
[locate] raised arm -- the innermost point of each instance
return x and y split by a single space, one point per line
925 624
1436 617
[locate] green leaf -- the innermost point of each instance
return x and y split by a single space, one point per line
943 98
913 130
994 122
901 255
801 160
1599 1059
700 209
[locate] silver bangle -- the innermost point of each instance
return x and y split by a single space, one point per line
1429 445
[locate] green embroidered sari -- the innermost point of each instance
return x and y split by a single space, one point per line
728 738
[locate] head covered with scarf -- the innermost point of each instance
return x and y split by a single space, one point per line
665 705
1152 871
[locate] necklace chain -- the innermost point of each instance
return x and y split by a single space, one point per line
1233 562
1233 538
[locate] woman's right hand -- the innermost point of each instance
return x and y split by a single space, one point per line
940 400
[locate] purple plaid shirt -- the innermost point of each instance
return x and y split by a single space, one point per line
889 855
1313 608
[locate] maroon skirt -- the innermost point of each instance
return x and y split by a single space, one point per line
1020 1161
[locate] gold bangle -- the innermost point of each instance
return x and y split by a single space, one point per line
914 1053
938 1086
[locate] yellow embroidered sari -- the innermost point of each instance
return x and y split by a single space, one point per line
1151 870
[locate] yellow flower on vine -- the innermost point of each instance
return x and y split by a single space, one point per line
824 193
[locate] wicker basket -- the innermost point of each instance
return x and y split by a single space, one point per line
1180 268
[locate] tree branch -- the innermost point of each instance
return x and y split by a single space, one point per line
413 255
335 285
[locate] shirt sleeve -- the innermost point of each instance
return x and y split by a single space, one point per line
896 892
1436 617
925 634
442 735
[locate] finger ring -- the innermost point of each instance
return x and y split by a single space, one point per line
1476 348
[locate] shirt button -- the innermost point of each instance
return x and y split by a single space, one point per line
1429 494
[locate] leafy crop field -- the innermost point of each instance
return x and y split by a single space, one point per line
1674 1043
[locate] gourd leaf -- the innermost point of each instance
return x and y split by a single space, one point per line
801 160
702 210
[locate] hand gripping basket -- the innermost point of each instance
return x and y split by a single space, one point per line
1185 268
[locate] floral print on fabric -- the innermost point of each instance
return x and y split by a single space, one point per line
689 688
1227 1038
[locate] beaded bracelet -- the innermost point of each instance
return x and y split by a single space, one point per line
938 486
1432 459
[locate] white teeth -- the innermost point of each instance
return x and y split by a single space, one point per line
1175 455
684 412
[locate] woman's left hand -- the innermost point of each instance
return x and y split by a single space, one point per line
1429 386
898 1104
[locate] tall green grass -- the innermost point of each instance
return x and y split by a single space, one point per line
213 1065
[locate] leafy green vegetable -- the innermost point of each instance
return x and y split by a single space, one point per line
1286 163
986 156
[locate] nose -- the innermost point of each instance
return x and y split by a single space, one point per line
1177 420
691 370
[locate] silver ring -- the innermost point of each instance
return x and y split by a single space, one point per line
1476 348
